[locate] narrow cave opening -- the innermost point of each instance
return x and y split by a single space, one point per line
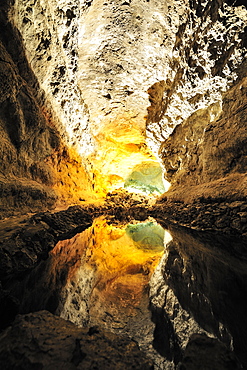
122 160
147 178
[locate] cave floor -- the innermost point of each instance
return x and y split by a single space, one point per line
176 291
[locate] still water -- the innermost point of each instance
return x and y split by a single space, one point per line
159 285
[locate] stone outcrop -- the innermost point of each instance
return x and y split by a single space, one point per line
37 167
26 242
44 341
200 151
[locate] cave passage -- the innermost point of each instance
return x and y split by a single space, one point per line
146 178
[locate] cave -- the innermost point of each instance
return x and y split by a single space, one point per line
123 184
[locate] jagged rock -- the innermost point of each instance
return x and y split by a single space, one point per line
26 243
42 340
203 215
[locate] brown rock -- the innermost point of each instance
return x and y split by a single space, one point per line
44 341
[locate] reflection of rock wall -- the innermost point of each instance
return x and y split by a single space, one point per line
96 278
42 340
197 289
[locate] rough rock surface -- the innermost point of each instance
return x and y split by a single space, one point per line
25 242
209 352
26 140
114 59
44 341
35 164
198 289
208 97
202 151
211 214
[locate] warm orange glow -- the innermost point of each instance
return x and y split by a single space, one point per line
121 146
72 183
121 268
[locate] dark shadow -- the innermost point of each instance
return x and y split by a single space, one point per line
207 273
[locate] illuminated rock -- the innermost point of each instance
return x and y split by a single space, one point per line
118 77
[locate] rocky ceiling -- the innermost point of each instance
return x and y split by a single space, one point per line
91 90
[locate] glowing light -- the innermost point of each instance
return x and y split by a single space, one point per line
112 263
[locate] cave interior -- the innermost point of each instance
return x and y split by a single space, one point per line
123 184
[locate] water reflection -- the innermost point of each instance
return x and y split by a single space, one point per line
197 283
99 277
148 235
115 273
199 288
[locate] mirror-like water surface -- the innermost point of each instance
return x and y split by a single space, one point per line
160 286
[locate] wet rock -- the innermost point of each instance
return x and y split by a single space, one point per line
42 340
25 245
197 289
204 216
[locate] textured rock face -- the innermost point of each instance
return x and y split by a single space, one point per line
213 130
36 166
94 64
102 64
199 151
26 140
41 340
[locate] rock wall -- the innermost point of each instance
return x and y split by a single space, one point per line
25 138
209 98
37 167
121 75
